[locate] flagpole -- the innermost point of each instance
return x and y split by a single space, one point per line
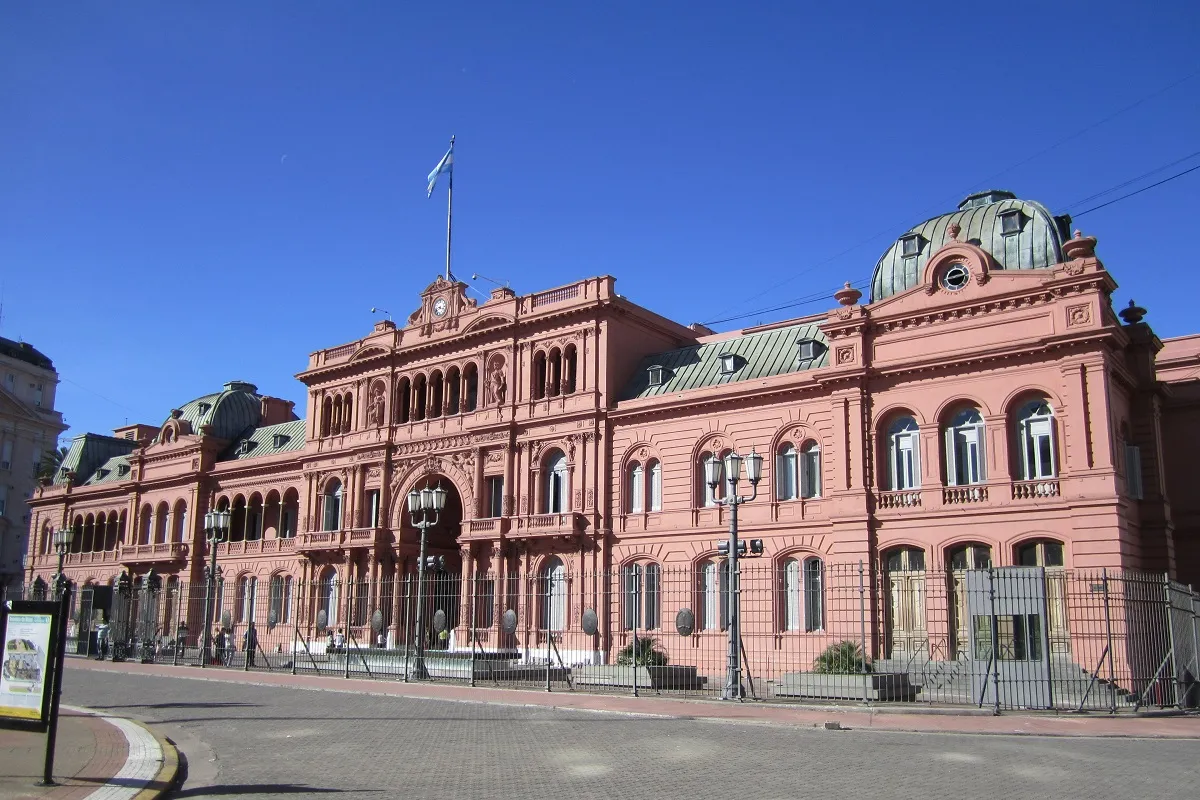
449 212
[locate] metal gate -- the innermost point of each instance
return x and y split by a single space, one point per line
1010 649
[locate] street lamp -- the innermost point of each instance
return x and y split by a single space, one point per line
216 531
714 472
424 508
62 546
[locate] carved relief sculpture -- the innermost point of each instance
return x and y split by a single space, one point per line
375 406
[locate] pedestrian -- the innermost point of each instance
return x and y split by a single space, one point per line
250 644
339 641
379 640
230 647
219 641
101 641
329 641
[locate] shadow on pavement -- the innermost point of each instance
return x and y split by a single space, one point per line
180 705
263 788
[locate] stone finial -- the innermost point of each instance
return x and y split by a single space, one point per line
176 413
952 230
1079 247
848 295
1133 313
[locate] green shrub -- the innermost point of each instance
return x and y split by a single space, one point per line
648 655
842 658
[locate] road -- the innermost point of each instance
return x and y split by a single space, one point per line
293 743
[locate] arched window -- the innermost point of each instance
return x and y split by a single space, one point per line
419 398
1035 441
281 600
640 587
558 484
554 373
655 485
161 523
326 416
180 533
712 588
1042 553
570 369
332 519
804 594
785 473
553 592
964 448
336 426
289 514
904 455
254 518
471 386
436 384
539 376
706 494
636 487
403 399
348 413
453 391
144 525
327 595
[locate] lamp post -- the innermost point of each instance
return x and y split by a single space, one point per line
216 531
714 473
424 509
62 546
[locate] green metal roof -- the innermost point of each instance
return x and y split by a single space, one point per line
263 442
87 452
758 355
1037 245
230 412
111 471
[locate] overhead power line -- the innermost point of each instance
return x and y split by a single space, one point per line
1139 191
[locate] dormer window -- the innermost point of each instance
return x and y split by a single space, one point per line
245 447
102 472
729 363
1010 221
808 350
654 375
910 245
122 470
203 408
280 439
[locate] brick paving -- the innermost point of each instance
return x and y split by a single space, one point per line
88 752
285 736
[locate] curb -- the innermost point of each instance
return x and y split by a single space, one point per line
168 775
165 777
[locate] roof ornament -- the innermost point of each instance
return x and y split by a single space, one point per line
1080 247
952 230
176 413
1133 313
847 295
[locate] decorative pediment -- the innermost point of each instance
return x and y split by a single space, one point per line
368 352
442 303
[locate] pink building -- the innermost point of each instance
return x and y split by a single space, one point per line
986 407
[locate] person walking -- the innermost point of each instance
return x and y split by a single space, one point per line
219 642
101 641
230 647
250 644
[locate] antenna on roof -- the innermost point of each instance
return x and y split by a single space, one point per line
375 310
476 276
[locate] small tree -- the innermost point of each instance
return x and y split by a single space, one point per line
842 658
647 655
51 462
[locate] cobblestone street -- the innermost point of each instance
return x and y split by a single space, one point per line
291 742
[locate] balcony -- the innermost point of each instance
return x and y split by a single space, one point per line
100 557
1035 490
254 547
537 526
486 528
905 498
336 540
964 495
154 553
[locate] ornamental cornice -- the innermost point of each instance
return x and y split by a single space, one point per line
459 441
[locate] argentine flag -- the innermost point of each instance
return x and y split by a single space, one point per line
445 166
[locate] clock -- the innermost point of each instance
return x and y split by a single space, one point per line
439 307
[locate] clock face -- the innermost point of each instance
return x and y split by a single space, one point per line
439 307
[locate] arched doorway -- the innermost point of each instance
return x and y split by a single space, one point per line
442 590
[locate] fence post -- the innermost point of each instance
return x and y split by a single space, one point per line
862 628
1171 639
471 598
995 642
179 626
1112 677
407 622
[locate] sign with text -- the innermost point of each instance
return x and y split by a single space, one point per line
26 661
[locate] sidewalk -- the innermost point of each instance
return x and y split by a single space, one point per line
95 756
891 718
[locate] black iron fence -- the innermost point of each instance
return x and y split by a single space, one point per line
1004 638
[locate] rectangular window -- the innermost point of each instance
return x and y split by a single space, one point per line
791 593
287 525
910 246
810 473
814 595
485 603
714 589
631 579
37 460
785 475
637 491
37 395
6 455
905 469
495 495
373 508
3 500
1039 450
1133 471
656 486
965 456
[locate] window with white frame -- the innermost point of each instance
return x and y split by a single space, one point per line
1035 433
656 485
785 473
640 586
810 470
332 520
495 495
373 508
904 454
713 588
553 592
804 594
247 590
814 594
327 596
636 486
558 489
964 448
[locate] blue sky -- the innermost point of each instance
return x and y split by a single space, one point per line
717 158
